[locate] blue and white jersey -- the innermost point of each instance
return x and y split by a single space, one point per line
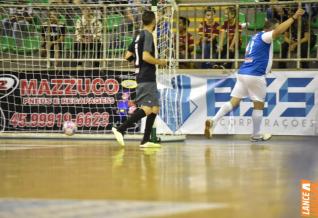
258 55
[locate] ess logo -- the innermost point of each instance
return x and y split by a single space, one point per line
309 199
8 83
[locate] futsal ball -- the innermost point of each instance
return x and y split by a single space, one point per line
69 128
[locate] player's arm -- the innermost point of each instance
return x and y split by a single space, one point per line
148 49
281 28
146 56
130 55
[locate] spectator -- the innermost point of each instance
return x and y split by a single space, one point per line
65 14
129 21
312 9
278 12
186 42
18 23
229 28
208 32
52 37
291 43
88 36
134 14
7 23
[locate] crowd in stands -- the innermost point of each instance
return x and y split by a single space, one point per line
82 31
219 40
307 39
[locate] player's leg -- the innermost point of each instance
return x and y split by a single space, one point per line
144 110
148 127
257 117
257 93
134 118
226 108
152 100
239 92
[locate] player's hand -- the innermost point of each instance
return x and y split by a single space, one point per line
300 12
162 63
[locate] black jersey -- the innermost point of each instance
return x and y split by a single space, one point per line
143 42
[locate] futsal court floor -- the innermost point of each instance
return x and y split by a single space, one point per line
223 177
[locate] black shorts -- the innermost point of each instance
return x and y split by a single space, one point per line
147 94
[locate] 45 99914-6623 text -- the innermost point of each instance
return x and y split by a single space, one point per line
88 119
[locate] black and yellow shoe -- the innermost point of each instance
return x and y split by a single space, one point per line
150 145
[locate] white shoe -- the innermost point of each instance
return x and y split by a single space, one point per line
150 145
119 137
261 138
208 131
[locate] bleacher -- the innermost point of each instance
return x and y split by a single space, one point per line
252 18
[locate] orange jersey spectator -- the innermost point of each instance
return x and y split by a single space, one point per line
229 28
227 48
186 42
209 30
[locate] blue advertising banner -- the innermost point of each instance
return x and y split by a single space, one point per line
291 106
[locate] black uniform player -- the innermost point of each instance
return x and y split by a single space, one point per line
142 51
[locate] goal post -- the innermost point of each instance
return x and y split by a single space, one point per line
65 63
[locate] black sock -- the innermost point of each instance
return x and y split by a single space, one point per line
134 118
149 123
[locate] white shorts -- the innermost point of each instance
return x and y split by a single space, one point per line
253 87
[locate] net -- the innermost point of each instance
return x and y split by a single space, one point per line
65 63
169 84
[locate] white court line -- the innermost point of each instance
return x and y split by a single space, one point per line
97 208
4 147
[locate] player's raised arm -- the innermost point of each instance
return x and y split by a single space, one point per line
281 28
